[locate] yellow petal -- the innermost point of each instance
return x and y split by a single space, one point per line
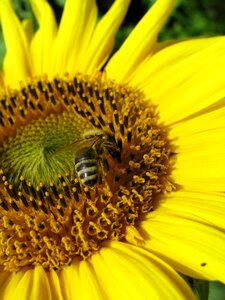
88 279
190 247
184 78
102 40
42 42
2 80
79 281
16 64
206 142
31 284
170 54
206 208
9 285
129 272
28 28
159 46
55 285
205 120
199 163
140 43
75 29
5 278
69 278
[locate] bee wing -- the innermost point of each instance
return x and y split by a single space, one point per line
76 145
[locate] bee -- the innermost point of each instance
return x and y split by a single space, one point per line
90 153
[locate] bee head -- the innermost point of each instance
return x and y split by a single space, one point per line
95 133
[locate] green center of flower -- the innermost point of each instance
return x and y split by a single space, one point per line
82 160
30 153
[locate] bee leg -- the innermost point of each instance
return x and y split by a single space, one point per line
105 168
105 165
100 178
115 153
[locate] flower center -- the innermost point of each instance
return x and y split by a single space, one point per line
82 160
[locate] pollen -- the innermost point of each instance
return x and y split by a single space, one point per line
49 216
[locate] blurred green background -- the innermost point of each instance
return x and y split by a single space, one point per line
190 18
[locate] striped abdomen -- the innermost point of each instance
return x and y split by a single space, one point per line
86 166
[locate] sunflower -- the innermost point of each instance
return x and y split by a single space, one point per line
112 169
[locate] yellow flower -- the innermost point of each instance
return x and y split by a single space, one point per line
153 120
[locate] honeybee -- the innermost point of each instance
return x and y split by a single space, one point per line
89 156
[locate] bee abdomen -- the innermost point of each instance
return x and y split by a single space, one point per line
87 171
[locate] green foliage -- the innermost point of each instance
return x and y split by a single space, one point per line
22 8
60 2
217 291
201 289
196 18
190 18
